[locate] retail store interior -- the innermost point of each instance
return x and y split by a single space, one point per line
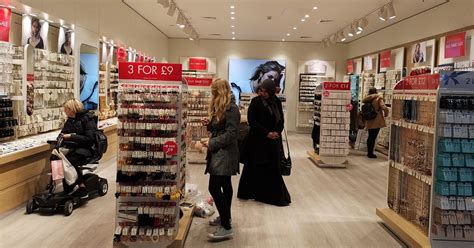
373 145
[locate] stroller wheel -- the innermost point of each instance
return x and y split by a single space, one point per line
30 206
68 208
103 187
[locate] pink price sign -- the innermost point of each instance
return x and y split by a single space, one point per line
349 107
170 148
150 71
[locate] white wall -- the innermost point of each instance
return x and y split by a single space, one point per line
448 17
110 18
292 52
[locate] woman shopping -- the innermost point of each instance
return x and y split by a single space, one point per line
223 154
261 178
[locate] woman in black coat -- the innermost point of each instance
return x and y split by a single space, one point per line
261 178
80 129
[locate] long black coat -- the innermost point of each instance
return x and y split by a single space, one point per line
260 149
83 129
223 152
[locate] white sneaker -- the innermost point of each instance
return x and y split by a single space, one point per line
220 234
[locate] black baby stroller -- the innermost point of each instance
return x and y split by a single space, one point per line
66 200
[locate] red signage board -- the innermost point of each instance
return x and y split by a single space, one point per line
336 86
199 81
197 64
5 14
121 54
170 148
386 59
455 45
421 82
350 66
150 71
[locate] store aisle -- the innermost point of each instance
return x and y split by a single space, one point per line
331 208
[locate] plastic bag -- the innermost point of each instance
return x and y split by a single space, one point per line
204 209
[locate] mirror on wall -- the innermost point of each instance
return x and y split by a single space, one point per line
89 77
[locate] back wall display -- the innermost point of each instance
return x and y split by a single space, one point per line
35 32
246 74
89 81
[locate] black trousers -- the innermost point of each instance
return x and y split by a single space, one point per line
76 160
373 133
221 191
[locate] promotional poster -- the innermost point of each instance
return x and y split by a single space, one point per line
246 74
418 53
89 81
35 32
65 41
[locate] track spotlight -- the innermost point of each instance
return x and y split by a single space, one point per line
352 30
171 10
165 3
180 20
362 24
383 14
390 11
341 36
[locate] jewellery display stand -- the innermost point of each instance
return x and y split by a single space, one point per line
199 98
8 121
307 86
452 195
334 119
152 153
411 159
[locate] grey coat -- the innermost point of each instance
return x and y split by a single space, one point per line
223 152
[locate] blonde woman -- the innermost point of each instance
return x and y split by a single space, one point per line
79 129
223 154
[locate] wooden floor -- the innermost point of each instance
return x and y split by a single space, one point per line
331 208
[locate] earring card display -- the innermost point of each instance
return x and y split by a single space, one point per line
307 87
199 99
334 120
411 149
453 199
8 89
151 161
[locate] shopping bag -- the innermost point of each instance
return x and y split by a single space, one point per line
57 169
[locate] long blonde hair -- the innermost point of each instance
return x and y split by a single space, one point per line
221 97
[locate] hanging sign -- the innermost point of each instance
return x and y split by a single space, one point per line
197 64
150 71
455 45
458 80
336 86
386 59
421 82
5 15
350 66
205 82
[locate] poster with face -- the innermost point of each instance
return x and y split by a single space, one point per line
89 81
418 53
35 32
245 75
65 41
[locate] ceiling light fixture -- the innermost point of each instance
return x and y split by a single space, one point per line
341 36
362 24
232 13
181 26
382 14
306 16
294 28
191 38
282 39
165 3
233 32
232 26
315 7
171 10
390 11
359 32
233 18
352 30
232 7
303 20
180 20
233 38
288 34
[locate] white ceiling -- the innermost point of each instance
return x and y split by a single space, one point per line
251 21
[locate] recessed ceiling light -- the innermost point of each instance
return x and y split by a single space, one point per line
282 39
232 26
233 18
181 26
190 38
294 28
233 32
303 20
288 34
306 16
232 13
232 7
233 38
315 7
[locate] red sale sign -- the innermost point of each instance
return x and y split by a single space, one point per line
197 64
421 82
385 59
150 71
350 66
455 45
170 148
205 82
336 86
5 14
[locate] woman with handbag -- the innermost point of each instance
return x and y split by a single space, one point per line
261 178
223 154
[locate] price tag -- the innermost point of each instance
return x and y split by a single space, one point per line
170 148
